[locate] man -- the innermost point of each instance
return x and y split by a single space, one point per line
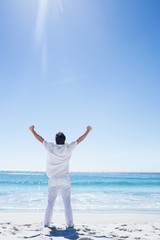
57 168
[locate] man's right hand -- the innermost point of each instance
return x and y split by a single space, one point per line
89 128
31 128
37 136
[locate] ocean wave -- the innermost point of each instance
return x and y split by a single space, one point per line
84 180
92 192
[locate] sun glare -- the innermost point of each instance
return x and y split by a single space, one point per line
55 7
41 18
45 8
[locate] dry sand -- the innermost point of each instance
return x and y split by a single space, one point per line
88 226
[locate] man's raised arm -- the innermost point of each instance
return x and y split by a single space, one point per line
80 139
37 136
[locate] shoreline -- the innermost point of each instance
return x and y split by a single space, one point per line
88 226
80 218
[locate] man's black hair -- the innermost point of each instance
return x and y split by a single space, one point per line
60 138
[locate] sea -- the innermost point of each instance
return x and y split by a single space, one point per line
99 192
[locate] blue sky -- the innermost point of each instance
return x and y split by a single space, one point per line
66 64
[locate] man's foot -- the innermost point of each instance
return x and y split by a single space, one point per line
50 227
70 227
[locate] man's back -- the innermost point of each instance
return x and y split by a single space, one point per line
58 157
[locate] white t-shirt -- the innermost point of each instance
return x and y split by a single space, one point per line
58 158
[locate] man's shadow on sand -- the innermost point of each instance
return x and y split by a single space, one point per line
69 233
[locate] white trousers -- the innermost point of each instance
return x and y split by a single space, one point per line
54 186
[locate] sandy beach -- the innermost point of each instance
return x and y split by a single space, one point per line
88 226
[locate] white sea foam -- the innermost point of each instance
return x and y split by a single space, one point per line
92 192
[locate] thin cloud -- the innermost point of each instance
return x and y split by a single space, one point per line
68 80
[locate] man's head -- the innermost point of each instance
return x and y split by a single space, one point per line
60 138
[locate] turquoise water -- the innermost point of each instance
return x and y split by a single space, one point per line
95 192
